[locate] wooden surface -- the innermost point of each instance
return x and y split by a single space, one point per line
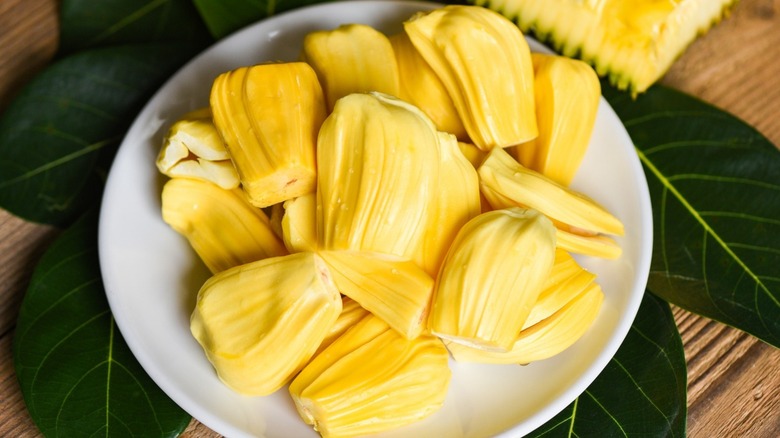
734 380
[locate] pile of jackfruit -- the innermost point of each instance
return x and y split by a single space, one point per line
383 204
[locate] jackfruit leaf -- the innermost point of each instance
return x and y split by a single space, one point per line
77 375
223 17
642 390
715 189
88 24
58 136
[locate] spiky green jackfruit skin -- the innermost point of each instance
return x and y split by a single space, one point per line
631 42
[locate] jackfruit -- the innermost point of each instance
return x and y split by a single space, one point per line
504 182
371 380
378 170
633 42
193 149
351 313
261 322
567 280
299 223
544 339
491 278
269 116
457 201
392 288
484 62
353 58
567 94
420 86
223 228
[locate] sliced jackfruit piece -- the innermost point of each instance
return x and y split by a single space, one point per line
299 223
457 201
597 245
269 116
505 182
193 149
544 339
566 281
392 288
634 42
491 278
261 322
484 62
223 228
567 93
351 313
353 58
371 380
378 169
420 86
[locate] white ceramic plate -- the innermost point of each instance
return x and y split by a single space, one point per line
151 275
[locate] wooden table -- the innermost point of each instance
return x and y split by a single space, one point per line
734 380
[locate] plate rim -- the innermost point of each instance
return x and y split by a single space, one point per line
536 420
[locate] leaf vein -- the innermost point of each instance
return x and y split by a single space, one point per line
126 21
59 161
705 225
606 411
723 179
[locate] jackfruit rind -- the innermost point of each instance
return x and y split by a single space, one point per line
259 323
632 42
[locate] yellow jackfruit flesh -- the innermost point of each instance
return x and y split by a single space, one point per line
299 223
457 202
567 93
472 153
223 228
634 42
505 182
484 62
544 339
567 279
491 278
268 116
420 86
597 245
371 380
392 288
351 313
378 169
193 148
261 322
353 58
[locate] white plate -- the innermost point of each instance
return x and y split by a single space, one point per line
151 275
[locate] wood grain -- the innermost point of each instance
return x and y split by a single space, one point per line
734 379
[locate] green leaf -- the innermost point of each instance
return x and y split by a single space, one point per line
642 390
715 190
77 375
86 23
58 135
223 17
